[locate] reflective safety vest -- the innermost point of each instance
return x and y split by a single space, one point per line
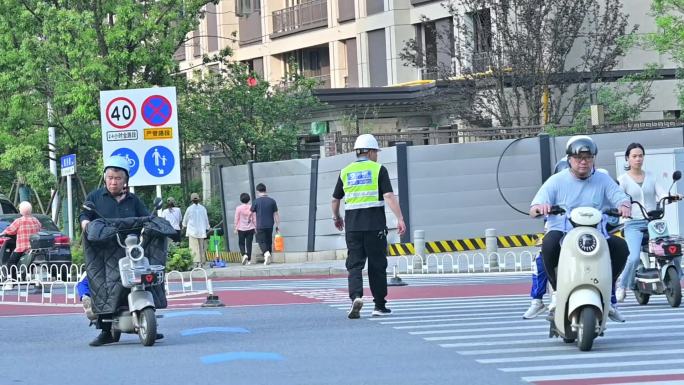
360 183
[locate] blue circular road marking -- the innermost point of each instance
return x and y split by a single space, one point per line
194 332
241 356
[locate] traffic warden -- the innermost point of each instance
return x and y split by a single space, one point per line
579 186
365 186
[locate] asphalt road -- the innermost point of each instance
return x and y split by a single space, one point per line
465 331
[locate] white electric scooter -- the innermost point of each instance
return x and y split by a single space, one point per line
584 280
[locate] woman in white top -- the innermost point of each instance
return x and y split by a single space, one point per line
173 214
642 187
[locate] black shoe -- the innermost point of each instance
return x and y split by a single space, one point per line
159 336
381 311
104 338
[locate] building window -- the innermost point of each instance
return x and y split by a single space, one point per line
247 7
482 31
672 114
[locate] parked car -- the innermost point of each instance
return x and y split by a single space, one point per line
6 206
55 246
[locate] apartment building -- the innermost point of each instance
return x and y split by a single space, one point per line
356 43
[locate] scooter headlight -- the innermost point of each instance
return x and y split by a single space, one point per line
587 243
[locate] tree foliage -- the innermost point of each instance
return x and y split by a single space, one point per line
669 16
514 53
244 115
66 52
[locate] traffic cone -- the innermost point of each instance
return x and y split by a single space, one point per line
396 280
212 299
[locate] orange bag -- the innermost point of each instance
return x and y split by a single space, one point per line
279 243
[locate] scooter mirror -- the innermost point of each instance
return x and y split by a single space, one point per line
88 205
677 175
157 203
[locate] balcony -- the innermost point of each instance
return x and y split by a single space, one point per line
302 17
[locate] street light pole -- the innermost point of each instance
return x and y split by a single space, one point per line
52 147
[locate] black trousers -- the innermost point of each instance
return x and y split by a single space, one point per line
12 260
371 245
245 243
551 252
264 238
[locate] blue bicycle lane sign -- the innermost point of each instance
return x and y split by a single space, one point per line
133 162
159 161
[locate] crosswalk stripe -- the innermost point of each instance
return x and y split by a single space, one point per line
552 340
575 356
603 375
658 362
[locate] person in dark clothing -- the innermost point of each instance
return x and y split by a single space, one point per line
267 216
112 201
365 186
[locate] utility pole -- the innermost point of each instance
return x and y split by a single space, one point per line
52 147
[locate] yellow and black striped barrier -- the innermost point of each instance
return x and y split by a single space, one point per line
468 244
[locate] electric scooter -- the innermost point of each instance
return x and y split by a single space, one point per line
137 315
584 279
660 251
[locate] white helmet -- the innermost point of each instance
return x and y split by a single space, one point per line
367 142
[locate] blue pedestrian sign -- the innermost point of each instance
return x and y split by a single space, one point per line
133 162
68 163
159 161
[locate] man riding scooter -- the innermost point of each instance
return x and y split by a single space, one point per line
539 279
111 201
579 186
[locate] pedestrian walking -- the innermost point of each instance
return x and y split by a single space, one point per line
267 216
245 227
196 225
173 214
365 186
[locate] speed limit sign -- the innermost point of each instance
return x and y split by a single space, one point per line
120 112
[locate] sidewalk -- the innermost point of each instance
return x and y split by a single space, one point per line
336 267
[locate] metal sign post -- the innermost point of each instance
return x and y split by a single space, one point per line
68 163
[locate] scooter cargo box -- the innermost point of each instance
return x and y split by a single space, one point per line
42 240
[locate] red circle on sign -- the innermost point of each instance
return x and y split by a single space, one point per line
156 110
109 119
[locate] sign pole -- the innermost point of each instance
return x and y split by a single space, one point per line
159 194
70 208
52 140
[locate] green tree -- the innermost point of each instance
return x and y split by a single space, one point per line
508 55
669 16
66 52
244 115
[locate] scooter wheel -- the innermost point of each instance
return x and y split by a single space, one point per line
641 298
148 327
674 287
587 328
116 335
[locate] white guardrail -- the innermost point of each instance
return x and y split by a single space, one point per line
56 284
465 263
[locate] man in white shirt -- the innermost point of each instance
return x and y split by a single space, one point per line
196 224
